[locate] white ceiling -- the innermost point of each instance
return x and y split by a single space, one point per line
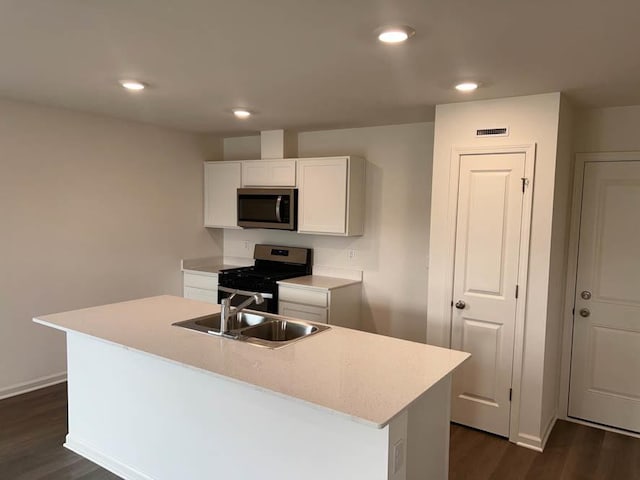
311 64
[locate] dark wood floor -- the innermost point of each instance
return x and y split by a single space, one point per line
573 452
33 426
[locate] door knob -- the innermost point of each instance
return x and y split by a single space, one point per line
586 295
585 312
460 304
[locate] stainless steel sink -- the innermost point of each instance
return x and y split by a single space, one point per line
280 331
212 322
256 328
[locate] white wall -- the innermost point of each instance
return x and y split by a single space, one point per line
559 262
532 119
93 210
241 148
393 251
613 129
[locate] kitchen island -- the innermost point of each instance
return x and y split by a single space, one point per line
148 400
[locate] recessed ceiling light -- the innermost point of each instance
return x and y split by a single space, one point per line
133 85
241 113
395 34
466 86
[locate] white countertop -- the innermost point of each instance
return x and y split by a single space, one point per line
318 282
210 265
208 269
370 378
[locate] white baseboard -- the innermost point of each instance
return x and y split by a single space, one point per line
533 442
114 466
32 385
530 443
549 429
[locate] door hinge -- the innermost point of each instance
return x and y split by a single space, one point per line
573 311
510 393
517 289
525 182
452 303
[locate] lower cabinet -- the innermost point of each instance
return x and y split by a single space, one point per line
336 306
303 312
203 287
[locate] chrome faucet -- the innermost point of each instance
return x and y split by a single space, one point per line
226 312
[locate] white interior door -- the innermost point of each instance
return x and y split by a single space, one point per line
489 218
605 361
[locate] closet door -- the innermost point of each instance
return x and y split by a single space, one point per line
490 198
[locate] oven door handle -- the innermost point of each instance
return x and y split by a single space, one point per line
278 202
244 292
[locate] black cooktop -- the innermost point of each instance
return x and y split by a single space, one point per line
272 263
254 272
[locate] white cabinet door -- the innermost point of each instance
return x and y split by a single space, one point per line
605 361
485 276
322 195
331 195
221 181
303 312
269 173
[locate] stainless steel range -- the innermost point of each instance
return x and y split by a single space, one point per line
271 263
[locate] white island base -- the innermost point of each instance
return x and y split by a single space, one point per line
144 417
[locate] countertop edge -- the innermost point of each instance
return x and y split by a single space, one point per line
363 421
343 282
208 270
374 421
196 271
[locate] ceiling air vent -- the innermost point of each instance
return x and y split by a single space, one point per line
493 132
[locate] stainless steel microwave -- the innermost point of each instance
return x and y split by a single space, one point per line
268 208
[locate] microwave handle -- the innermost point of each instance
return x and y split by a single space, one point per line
278 202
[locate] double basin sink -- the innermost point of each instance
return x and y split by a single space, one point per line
256 328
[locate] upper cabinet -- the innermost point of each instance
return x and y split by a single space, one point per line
330 191
331 195
269 173
221 182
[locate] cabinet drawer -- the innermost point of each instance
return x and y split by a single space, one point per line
303 312
209 296
208 282
304 296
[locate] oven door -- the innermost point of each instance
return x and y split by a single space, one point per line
269 305
267 208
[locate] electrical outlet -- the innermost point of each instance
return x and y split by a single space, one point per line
246 244
352 254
